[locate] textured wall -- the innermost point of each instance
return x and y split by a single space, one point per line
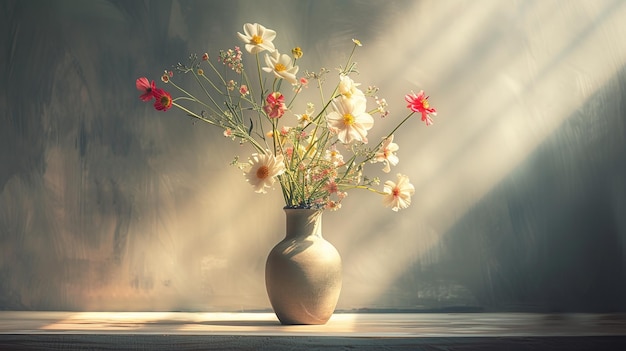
106 204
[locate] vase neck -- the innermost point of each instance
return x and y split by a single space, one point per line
303 222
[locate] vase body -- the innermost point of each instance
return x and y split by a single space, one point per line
303 271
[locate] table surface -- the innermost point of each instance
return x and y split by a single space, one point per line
427 331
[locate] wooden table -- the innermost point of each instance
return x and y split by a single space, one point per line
261 331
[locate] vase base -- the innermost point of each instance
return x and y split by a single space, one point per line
308 320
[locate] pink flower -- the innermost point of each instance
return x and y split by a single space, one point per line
275 105
332 205
331 187
232 58
243 90
146 88
289 152
419 103
163 99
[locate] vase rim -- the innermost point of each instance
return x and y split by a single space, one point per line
303 208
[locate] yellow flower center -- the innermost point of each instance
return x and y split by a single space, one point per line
166 101
425 104
263 172
348 119
256 40
280 67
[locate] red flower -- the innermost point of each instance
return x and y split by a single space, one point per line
275 105
146 87
419 103
163 99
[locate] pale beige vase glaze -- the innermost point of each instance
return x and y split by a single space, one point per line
303 271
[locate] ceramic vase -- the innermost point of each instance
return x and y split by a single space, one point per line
303 271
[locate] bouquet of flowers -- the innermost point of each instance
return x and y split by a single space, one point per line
316 151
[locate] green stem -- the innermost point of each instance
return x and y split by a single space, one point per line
389 135
258 69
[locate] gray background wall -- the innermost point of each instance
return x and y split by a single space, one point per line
106 204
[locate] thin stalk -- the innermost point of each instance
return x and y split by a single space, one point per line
389 135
